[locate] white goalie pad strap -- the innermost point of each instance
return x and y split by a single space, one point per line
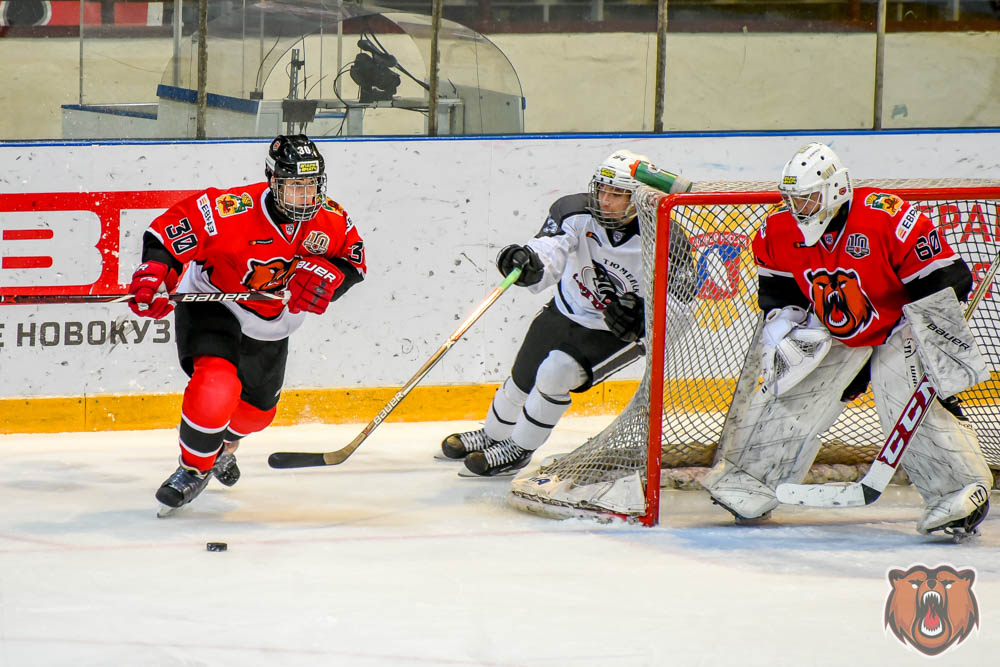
793 347
945 344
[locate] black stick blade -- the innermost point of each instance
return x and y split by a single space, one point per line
295 460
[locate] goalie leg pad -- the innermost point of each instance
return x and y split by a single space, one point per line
504 410
943 456
774 439
548 400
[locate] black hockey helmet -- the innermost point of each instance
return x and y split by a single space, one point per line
297 174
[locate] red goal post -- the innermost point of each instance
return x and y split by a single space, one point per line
702 328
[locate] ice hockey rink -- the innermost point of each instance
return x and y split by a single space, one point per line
392 559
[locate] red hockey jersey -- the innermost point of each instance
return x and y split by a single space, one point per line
855 279
229 243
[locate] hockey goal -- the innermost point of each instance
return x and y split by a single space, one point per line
702 336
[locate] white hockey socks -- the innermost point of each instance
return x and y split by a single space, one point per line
504 411
548 400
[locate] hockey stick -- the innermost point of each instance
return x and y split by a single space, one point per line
183 297
308 459
875 481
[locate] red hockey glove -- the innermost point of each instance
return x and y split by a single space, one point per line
146 280
311 287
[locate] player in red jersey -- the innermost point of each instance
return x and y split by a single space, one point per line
836 266
279 236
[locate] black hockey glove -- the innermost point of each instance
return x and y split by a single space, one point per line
523 257
626 317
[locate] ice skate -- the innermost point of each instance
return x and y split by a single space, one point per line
500 459
225 469
459 445
958 514
180 488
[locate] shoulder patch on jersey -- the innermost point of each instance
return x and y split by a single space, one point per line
883 201
333 207
907 223
593 237
205 206
317 242
230 204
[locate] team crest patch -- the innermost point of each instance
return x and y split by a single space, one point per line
931 609
884 201
317 243
230 204
857 246
839 301
268 275
333 206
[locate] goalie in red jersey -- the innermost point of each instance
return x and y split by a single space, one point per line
856 284
279 236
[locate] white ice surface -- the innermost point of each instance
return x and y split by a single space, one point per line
392 559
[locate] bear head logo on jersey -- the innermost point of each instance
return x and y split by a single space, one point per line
931 609
839 301
268 276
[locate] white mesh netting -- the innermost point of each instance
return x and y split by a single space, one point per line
709 328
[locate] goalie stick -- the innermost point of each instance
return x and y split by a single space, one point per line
182 297
880 473
309 459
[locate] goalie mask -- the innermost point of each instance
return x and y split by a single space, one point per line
611 190
814 185
297 175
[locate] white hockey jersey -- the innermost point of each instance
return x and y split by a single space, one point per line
588 263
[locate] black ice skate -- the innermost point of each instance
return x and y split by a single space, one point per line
502 458
225 468
459 445
181 488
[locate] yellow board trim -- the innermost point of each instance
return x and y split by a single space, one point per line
110 412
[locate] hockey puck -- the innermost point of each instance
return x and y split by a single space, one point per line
216 546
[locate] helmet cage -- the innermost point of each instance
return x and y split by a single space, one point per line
607 218
299 198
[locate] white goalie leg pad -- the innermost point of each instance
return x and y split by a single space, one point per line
548 400
504 410
943 456
774 439
945 344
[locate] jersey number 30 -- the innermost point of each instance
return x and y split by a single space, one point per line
181 237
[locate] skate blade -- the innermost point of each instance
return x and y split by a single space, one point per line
468 474
165 511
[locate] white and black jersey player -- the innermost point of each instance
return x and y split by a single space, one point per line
589 249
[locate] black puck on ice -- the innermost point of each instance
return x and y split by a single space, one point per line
216 546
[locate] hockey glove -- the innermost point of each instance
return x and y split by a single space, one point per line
626 317
523 257
148 300
312 285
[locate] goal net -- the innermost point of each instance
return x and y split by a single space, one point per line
701 339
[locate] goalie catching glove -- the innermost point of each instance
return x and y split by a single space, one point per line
312 285
150 282
794 343
626 317
522 257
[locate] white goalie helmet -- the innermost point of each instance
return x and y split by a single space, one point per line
814 185
614 175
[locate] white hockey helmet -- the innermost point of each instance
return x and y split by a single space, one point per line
814 185
614 175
